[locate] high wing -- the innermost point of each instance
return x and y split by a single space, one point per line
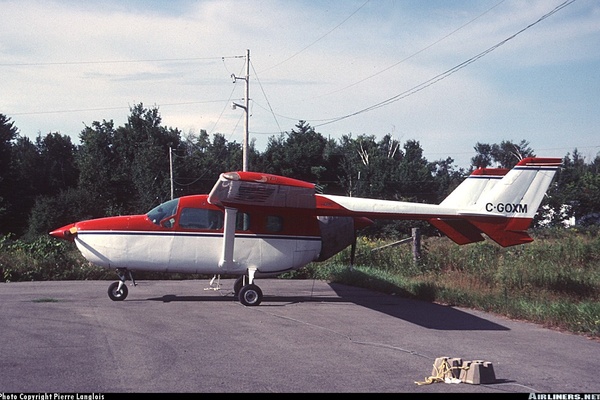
242 189
499 203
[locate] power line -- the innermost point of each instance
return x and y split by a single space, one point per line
111 108
387 68
447 73
414 54
112 61
319 38
268 103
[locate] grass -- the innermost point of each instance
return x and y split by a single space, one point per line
553 281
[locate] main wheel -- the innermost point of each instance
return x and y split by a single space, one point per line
250 295
115 294
237 285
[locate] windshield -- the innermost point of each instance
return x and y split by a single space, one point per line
163 211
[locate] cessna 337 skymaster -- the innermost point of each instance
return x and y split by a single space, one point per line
254 225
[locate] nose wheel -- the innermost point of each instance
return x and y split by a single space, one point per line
117 293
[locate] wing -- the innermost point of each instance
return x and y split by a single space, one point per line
242 188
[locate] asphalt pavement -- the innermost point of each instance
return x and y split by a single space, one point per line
306 336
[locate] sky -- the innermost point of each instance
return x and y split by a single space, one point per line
447 74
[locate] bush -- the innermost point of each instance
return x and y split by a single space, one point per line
43 259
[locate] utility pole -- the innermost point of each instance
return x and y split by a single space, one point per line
171 169
245 108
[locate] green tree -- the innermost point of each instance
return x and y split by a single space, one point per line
8 132
298 154
351 165
57 165
507 154
483 158
586 208
504 155
199 161
577 192
142 150
447 177
52 212
369 168
25 183
273 159
416 175
127 168
99 170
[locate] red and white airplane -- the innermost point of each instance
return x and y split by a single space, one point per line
255 225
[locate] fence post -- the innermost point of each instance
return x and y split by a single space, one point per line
416 242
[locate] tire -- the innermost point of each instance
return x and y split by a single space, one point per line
237 286
117 295
250 295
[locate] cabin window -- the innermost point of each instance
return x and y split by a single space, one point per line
201 218
159 213
274 223
242 222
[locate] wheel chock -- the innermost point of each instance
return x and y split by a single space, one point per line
455 367
446 369
455 370
477 372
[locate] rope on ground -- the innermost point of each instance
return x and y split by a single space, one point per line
442 372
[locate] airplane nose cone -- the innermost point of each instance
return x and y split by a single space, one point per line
67 232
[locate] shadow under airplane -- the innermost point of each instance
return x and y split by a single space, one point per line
419 312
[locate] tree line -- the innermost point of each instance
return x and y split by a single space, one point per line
129 169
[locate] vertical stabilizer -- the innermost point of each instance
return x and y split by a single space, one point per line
478 183
498 202
521 191
505 212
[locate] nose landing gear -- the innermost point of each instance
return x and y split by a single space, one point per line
117 291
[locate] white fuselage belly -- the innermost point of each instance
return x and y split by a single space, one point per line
196 252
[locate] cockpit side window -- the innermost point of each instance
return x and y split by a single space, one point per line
159 213
201 218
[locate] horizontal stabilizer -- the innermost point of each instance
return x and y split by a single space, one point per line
511 238
459 230
506 231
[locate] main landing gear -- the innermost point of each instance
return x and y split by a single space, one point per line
248 294
117 291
